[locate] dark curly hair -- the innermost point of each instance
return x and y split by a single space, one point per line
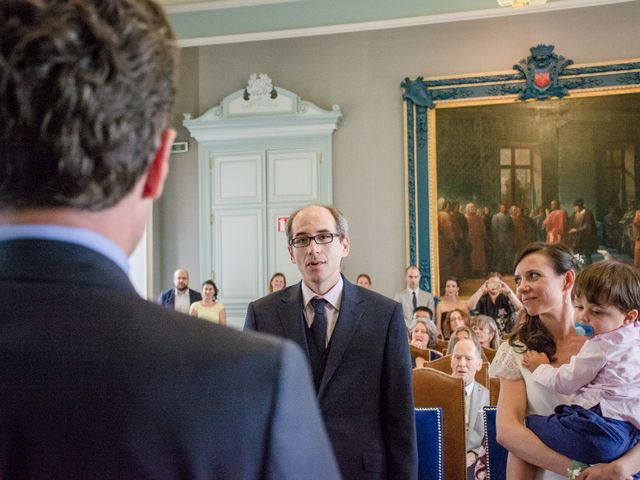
86 88
532 334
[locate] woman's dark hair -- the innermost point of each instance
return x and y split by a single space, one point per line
453 279
532 333
215 288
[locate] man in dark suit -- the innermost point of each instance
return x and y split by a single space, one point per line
180 297
583 236
95 382
357 346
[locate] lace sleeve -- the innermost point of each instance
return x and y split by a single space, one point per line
505 364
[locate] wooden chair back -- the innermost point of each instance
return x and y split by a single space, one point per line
494 391
444 365
442 346
433 388
428 354
490 353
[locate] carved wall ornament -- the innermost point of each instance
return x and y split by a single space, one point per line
259 88
542 70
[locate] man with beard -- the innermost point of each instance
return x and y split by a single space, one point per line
181 296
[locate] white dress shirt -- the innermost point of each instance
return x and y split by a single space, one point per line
331 308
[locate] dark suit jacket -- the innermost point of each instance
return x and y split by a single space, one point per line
97 383
167 297
585 239
365 395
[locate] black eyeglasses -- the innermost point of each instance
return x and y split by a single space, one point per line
320 239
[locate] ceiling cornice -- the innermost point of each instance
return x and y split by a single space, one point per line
392 23
181 6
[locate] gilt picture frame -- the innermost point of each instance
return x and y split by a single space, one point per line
546 130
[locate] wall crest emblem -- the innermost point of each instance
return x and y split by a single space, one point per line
541 70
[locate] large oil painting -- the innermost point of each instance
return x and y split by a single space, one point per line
548 152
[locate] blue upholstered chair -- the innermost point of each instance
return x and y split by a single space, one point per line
435 389
429 433
496 453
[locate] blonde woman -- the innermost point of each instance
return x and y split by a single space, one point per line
486 330
208 308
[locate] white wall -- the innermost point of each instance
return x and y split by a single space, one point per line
362 73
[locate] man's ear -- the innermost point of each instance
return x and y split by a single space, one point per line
346 244
159 168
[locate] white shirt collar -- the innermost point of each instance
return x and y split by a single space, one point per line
469 388
333 296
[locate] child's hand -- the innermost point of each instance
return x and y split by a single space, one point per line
533 359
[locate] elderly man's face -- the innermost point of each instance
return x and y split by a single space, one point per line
465 360
181 280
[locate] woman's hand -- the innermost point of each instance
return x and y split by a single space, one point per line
504 288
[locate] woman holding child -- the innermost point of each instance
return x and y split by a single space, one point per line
545 275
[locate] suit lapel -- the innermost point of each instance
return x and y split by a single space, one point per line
292 317
351 311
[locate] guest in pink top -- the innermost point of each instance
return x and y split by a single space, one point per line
555 223
603 422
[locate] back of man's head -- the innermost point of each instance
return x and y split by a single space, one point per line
86 88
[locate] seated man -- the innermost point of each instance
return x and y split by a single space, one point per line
466 360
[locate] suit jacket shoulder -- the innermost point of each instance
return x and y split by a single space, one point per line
479 399
141 381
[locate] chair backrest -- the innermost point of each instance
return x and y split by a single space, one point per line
496 453
430 447
490 353
494 390
433 388
442 346
444 365
434 354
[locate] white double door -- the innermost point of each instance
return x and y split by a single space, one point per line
248 197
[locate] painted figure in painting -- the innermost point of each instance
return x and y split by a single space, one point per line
555 223
450 239
477 239
503 252
583 237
